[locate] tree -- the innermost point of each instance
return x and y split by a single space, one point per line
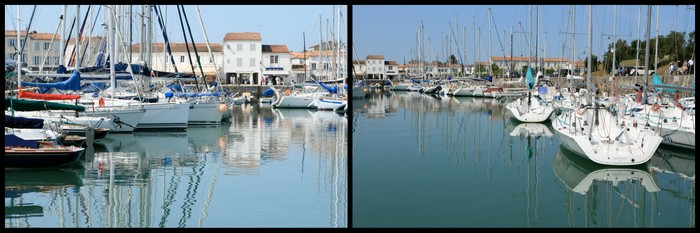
594 65
453 59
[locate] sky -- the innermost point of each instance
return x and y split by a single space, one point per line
391 30
277 24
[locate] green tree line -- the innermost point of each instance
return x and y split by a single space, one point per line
674 47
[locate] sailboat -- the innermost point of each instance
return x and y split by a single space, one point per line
529 109
595 133
23 153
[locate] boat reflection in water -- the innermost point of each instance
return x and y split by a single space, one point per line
265 168
20 184
613 196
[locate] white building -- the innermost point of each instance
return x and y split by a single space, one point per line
277 63
299 67
162 61
359 67
375 67
38 44
391 70
321 64
242 54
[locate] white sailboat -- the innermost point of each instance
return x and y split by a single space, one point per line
593 132
530 109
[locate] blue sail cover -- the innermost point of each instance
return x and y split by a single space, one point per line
73 83
23 122
268 93
529 80
657 80
333 89
14 141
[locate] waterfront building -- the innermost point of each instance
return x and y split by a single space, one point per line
242 53
276 63
38 44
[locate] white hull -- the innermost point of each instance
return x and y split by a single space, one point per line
676 132
125 120
400 87
165 116
611 143
330 104
206 113
295 101
533 113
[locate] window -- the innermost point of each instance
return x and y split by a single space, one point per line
47 61
252 62
313 66
182 58
239 47
56 60
252 47
325 66
37 59
391 67
57 46
11 42
47 45
239 62
228 46
36 45
274 59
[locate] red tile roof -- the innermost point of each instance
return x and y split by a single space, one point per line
275 49
33 35
377 57
242 36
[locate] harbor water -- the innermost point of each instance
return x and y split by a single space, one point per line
266 168
438 161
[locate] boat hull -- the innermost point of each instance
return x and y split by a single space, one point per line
42 157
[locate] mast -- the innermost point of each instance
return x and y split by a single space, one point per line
537 39
639 38
474 48
304 58
113 50
590 50
77 39
18 70
614 38
61 58
206 38
656 51
646 56
490 48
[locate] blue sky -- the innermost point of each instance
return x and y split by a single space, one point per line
392 30
278 24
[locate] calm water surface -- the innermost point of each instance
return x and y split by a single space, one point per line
266 168
422 161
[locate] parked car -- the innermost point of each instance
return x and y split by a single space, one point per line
639 71
622 71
